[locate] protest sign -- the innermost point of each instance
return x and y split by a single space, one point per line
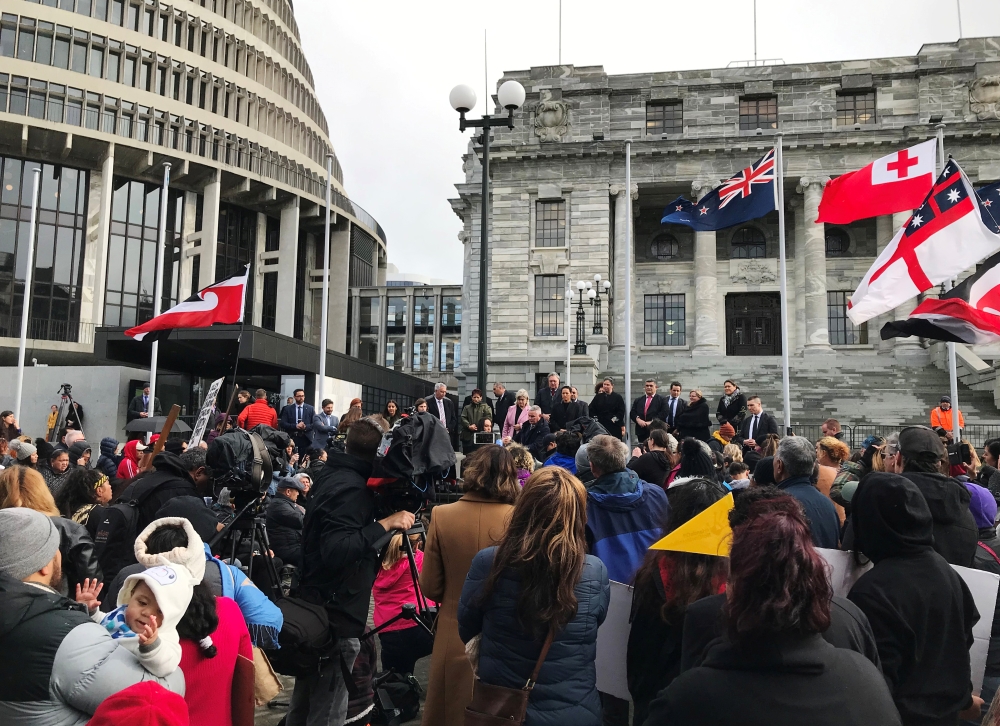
612 643
206 413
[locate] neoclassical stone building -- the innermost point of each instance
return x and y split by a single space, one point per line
706 305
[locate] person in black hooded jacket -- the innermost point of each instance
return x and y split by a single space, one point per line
169 479
920 609
654 466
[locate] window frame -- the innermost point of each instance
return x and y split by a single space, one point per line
658 126
735 244
549 306
658 326
548 227
840 329
756 99
847 114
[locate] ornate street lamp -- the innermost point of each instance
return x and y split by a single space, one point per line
595 302
581 322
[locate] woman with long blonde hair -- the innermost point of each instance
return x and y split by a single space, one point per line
538 587
24 487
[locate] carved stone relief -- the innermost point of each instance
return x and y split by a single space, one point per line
984 97
752 272
551 118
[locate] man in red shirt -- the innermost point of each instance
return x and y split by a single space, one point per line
258 412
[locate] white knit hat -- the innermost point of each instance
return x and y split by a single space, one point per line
191 556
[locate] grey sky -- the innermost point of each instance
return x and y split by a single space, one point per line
383 71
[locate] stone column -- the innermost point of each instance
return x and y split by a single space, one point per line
355 323
188 249
288 243
212 195
258 269
340 263
706 304
817 326
904 346
798 315
95 262
408 338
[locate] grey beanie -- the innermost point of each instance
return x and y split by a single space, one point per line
25 450
582 458
28 542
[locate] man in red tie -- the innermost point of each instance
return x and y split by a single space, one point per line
645 408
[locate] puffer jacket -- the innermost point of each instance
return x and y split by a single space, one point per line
566 691
284 528
59 664
108 462
79 560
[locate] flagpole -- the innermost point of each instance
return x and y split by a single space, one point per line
779 190
326 290
628 282
569 344
26 304
161 246
952 362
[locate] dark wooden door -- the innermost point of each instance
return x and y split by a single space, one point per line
753 324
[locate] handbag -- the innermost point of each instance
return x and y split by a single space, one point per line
266 684
495 705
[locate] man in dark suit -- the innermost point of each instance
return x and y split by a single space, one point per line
296 420
548 396
532 434
608 408
645 408
575 398
443 408
675 405
138 407
505 399
757 425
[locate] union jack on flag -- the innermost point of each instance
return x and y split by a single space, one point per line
750 194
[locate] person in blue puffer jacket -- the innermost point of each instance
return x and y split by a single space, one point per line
108 462
538 580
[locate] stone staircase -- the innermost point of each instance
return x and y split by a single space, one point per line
863 390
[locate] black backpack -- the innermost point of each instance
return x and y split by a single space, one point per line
304 639
397 699
114 540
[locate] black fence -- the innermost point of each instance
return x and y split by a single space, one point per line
855 434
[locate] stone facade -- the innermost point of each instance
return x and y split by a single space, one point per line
568 144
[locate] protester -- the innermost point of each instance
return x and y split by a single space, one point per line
732 408
420 405
59 665
665 585
284 517
696 460
537 596
52 420
608 408
524 461
738 475
773 667
108 460
457 532
472 416
794 463
22 487
567 444
984 511
693 421
835 470
405 641
9 428
129 465
339 565
565 410
55 470
732 452
955 531
720 439
258 412
83 498
654 466
532 434
171 477
645 408
919 608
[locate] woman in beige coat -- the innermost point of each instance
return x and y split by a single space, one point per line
457 532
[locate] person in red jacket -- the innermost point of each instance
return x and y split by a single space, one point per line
258 412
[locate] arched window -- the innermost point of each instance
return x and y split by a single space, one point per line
837 242
748 243
665 247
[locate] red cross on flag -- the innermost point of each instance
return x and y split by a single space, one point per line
945 236
895 183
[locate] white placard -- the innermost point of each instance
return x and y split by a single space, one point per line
612 643
206 412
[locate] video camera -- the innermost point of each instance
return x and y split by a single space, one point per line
245 461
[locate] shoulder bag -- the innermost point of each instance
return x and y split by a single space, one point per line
495 705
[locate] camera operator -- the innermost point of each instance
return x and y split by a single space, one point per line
339 565
284 517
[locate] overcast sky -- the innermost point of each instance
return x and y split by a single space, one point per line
383 70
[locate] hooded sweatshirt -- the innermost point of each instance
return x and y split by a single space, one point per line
129 465
76 452
955 531
625 515
919 608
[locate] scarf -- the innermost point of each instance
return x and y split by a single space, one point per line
726 400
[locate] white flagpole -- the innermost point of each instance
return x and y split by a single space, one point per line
628 282
27 294
779 190
569 317
326 290
161 246
952 362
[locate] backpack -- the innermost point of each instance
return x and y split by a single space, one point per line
304 639
114 540
397 699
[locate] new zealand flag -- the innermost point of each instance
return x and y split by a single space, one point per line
989 205
748 195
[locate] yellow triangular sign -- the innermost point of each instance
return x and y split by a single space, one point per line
705 534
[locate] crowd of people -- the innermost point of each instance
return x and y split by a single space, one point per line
115 589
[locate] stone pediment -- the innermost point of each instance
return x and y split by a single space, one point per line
754 272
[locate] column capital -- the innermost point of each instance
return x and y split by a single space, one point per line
618 189
809 181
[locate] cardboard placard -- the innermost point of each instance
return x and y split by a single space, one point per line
206 413
612 643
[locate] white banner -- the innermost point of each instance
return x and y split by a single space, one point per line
206 413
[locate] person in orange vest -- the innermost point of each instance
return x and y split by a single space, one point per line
941 416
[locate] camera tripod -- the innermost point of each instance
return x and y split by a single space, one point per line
248 525
421 613
67 409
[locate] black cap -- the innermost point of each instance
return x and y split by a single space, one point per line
945 399
920 443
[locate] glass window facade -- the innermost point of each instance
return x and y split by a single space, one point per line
131 271
550 304
59 250
362 270
663 320
269 302
550 224
371 314
842 330
748 243
451 332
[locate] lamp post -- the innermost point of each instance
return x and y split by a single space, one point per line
595 302
463 99
581 321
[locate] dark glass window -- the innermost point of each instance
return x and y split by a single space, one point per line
59 250
368 329
748 243
7 40
272 242
237 245
269 307
837 242
842 330
423 314
451 332
758 113
663 320
26 44
550 224
301 266
855 108
362 271
550 304
664 117
664 247
195 274
131 272
43 48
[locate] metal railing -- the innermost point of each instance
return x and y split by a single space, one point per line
855 434
63 331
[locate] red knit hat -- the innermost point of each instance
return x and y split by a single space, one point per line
727 430
144 704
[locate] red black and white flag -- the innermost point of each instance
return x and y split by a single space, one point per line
944 237
969 313
221 303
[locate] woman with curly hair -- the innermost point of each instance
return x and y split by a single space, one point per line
538 593
83 496
773 666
